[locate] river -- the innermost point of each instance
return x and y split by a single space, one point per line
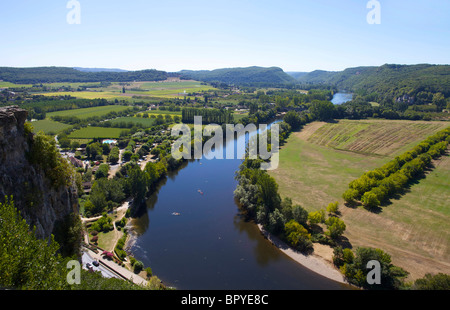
209 246
341 97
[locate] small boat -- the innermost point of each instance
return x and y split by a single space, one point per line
175 213
201 193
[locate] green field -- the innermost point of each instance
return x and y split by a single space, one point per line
8 84
146 122
49 126
96 132
141 90
164 112
89 112
88 94
412 229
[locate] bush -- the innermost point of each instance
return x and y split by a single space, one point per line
439 281
297 236
333 208
336 227
138 266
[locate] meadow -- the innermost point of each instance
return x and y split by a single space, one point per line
96 132
139 90
146 122
89 112
49 126
317 164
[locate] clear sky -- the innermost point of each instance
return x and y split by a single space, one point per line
171 35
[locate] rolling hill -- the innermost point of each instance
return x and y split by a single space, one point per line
241 76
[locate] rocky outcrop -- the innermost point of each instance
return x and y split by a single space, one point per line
41 204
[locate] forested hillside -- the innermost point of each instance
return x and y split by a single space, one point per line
62 74
241 76
410 82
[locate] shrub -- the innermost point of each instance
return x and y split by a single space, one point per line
336 227
138 266
298 236
316 217
333 208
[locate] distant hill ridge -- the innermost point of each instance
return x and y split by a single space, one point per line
239 76
64 74
398 79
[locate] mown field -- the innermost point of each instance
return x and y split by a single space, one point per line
372 137
96 132
89 112
318 163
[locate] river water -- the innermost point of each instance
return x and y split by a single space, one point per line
209 246
340 98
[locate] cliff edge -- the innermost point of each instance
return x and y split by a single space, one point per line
42 204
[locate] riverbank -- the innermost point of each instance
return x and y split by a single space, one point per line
314 262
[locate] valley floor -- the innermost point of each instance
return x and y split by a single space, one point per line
318 163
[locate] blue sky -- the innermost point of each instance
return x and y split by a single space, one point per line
171 35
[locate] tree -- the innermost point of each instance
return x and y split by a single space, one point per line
268 188
300 215
293 119
356 272
316 217
297 236
336 227
370 200
138 266
26 262
276 222
322 110
333 208
435 282
102 171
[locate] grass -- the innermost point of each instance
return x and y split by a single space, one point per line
89 112
96 132
87 95
9 84
49 126
412 229
146 122
142 90
164 112
376 137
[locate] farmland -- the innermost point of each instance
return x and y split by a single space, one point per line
146 122
49 126
373 137
89 112
133 90
317 164
96 132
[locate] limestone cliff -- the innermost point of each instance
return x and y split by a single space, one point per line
41 203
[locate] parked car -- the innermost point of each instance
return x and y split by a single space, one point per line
96 263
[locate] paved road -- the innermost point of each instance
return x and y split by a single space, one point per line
110 269
107 273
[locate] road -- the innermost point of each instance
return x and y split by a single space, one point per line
107 273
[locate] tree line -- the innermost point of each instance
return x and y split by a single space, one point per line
209 116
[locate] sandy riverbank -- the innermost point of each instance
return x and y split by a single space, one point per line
313 262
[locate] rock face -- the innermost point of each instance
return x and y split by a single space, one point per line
42 205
